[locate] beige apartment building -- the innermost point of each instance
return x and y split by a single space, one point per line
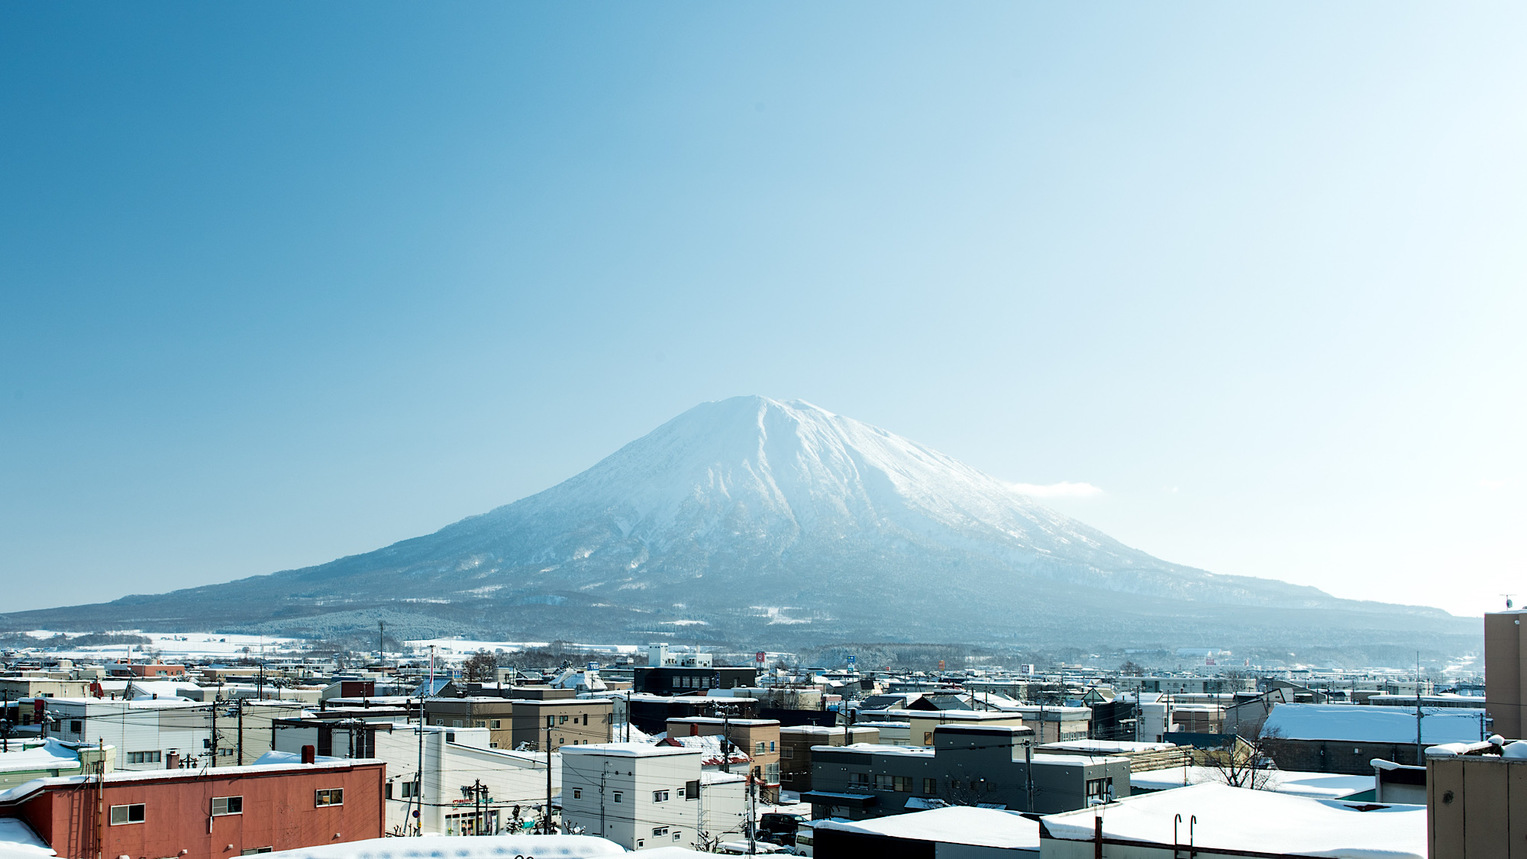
758 737
795 749
1476 804
1505 681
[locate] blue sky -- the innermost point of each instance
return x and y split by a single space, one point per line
280 283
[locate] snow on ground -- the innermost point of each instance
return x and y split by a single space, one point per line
173 646
461 847
467 647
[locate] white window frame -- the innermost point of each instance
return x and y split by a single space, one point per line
127 814
328 796
229 805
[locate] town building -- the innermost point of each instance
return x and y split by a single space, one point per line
466 787
146 733
645 796
759 738
1506 672
988 765
1476 800
1345 738
795 744
221 813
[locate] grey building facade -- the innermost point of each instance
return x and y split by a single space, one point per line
992 766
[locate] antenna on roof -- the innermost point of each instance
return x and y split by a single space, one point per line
1508 599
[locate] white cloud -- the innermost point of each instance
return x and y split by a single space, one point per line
1064 489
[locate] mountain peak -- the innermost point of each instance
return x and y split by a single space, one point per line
751 518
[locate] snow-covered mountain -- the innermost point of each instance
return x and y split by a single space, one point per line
752 519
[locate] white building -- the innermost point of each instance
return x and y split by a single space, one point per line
467 787
146 733
642 796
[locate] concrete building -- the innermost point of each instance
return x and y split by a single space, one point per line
572 721
495 714
644 796
145 733
1506 672
466 787
990 765
216 814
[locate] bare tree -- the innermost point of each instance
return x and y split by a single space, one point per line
480 667
1243 763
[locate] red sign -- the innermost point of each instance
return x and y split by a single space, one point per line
37 709
759 657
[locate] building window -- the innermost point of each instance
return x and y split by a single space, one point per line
227 805
495 724
408 789
787 752
659 796
253 850
618 796
479 723
882 782
562 720
143 757
121 814
902 784
225 753
1100 789
930 786
771 745
641 842
329 796
659 830
676 835
455 723
76 726
862 779
577 793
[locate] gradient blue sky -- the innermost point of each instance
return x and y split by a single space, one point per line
284 282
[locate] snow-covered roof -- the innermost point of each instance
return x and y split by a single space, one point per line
1358 723
627 750
51 755
1108 747
1236 819
709 747
25 789
18 841
1318 785
956 824
461 847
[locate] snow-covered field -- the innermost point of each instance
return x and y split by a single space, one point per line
176 645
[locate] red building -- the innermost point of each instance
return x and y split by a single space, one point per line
203 815
145 670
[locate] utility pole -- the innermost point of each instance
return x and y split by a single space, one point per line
1420 754
381 647
546 820
241 731
418 799
215 704
100 796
